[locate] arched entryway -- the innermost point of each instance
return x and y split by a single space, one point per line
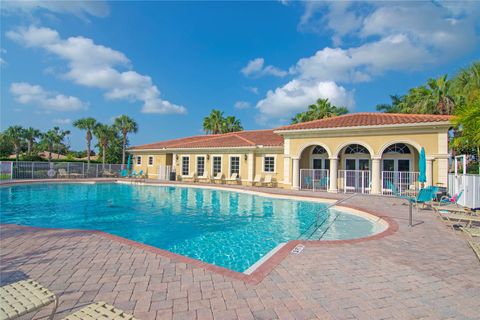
355 163
399 166
314 168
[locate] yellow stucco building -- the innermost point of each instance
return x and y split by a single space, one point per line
361 152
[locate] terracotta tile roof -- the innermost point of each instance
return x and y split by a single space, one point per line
227 140
367 119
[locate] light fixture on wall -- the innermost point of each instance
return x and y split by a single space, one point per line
208 157
245 157
176 157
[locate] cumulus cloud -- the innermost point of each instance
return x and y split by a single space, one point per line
252 89
26 93
257 68
388 36
62 121
97 66
96 8
242 105
297 94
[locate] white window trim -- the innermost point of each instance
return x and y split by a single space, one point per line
211 164
181 166
148 160
274 163
136 160
230 156
205 171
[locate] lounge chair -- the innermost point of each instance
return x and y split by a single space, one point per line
323 183
257 180
133 174
190 178
233 178
471 232
452 200
108 174
424 196
62 173
25 296
476 248
123 173
456 218
268 181
218 177
99 310
307 182
205 178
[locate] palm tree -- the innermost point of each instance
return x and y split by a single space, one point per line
60 136
466 84
49 140
467 122
213 122
394 107
87 124
104 134
231 124
30 134
125 125
15 134
320 110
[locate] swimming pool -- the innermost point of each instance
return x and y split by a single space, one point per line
225 228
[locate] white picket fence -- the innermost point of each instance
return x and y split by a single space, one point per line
398 183
314 179
20 170
354 181
469 184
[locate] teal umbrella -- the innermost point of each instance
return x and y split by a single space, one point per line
422 166
129 162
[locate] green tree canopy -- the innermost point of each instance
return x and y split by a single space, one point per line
322 108
87 124
125 125
216 123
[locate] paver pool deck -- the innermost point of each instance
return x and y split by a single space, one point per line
424 272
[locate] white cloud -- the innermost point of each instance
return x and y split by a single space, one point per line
252 89
62 121
297 94
26 93
242 105
387 36
257 68
96 8
97 66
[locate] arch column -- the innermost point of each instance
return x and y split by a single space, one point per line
333 175
429 171
296 173
376 176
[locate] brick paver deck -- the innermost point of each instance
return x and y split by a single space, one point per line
424 272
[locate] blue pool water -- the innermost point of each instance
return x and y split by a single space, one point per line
228 229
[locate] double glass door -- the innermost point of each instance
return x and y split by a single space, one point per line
357 174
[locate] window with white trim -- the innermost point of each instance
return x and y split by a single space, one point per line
269 164
139 160
150 160
185 166
217 165
234 165
200 166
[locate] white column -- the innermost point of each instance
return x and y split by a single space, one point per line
429 172
376 176
333 175
296 173
286 170
251 167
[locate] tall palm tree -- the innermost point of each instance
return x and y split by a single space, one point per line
213 122
49 140
231 124
321 109
60 137
15 134
30 134
125 125
466 83
104 134
394 107
87 124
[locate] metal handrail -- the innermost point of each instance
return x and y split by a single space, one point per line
317 226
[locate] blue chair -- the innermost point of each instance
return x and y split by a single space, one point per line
424 195
133 174
307 182
323 182
453 200
395 191
123 173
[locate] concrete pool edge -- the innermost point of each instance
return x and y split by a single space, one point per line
263 266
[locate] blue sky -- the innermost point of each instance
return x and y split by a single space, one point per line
167 64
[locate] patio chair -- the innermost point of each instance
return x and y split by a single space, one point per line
99 310
233 178
108 174
257 179
395 191
471 232
268 181
307 182
205 178
424 196
133 174
25 296
62 173
323 182
219 177
123 173
457 218
452 200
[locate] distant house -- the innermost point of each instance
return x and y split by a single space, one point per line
354 151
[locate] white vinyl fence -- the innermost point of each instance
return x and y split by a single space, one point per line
314 179
357 181
469 184
164 172
18 170
400 183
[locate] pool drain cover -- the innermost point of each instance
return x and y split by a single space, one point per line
298 249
